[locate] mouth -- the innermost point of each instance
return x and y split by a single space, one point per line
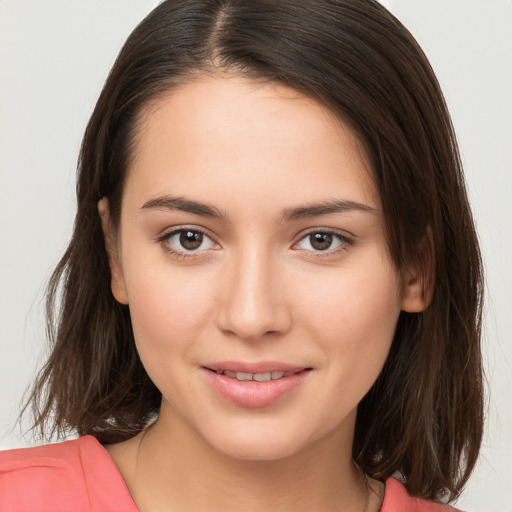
258 377
255 385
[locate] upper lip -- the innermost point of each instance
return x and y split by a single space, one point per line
256 367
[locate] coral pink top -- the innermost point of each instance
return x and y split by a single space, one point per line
80 476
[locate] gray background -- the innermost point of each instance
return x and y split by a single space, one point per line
54 57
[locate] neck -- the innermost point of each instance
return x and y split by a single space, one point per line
164 474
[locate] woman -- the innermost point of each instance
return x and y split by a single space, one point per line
272 295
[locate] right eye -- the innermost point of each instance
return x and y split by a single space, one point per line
185 241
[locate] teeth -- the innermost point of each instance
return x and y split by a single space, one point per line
243 376
259 377
262 377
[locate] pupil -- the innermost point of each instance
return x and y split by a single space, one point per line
321 241
191 239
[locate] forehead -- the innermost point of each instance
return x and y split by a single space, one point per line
252 138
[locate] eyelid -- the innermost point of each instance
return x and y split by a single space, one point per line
166 234
346 239
163 237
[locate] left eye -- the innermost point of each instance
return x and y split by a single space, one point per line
189 240
321 241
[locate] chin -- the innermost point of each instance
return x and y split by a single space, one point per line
259 443
263 451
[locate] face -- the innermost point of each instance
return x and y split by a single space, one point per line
252 256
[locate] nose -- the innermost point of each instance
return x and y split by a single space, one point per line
253 303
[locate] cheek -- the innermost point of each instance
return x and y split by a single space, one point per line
354 318
167 307
353 301
169 312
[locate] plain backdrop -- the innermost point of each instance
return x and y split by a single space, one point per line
54 58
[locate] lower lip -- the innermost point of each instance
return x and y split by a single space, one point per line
253 393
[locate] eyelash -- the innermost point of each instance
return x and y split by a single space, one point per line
343 240
184 254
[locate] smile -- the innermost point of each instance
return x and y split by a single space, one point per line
259 377
254 385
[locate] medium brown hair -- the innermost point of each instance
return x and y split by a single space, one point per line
423 417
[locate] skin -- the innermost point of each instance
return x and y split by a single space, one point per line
257 289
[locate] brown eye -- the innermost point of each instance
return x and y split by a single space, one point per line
323 241
320 241
191 240
186 240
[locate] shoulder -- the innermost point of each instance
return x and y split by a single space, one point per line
396 499
74 475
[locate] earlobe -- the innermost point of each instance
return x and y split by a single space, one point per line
116 272
415 296
418 279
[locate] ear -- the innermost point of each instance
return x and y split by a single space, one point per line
117 279
418 278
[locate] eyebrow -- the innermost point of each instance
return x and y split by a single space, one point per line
325 208
185 205
288 214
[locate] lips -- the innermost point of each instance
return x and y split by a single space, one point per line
254 385
258 367
259 377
